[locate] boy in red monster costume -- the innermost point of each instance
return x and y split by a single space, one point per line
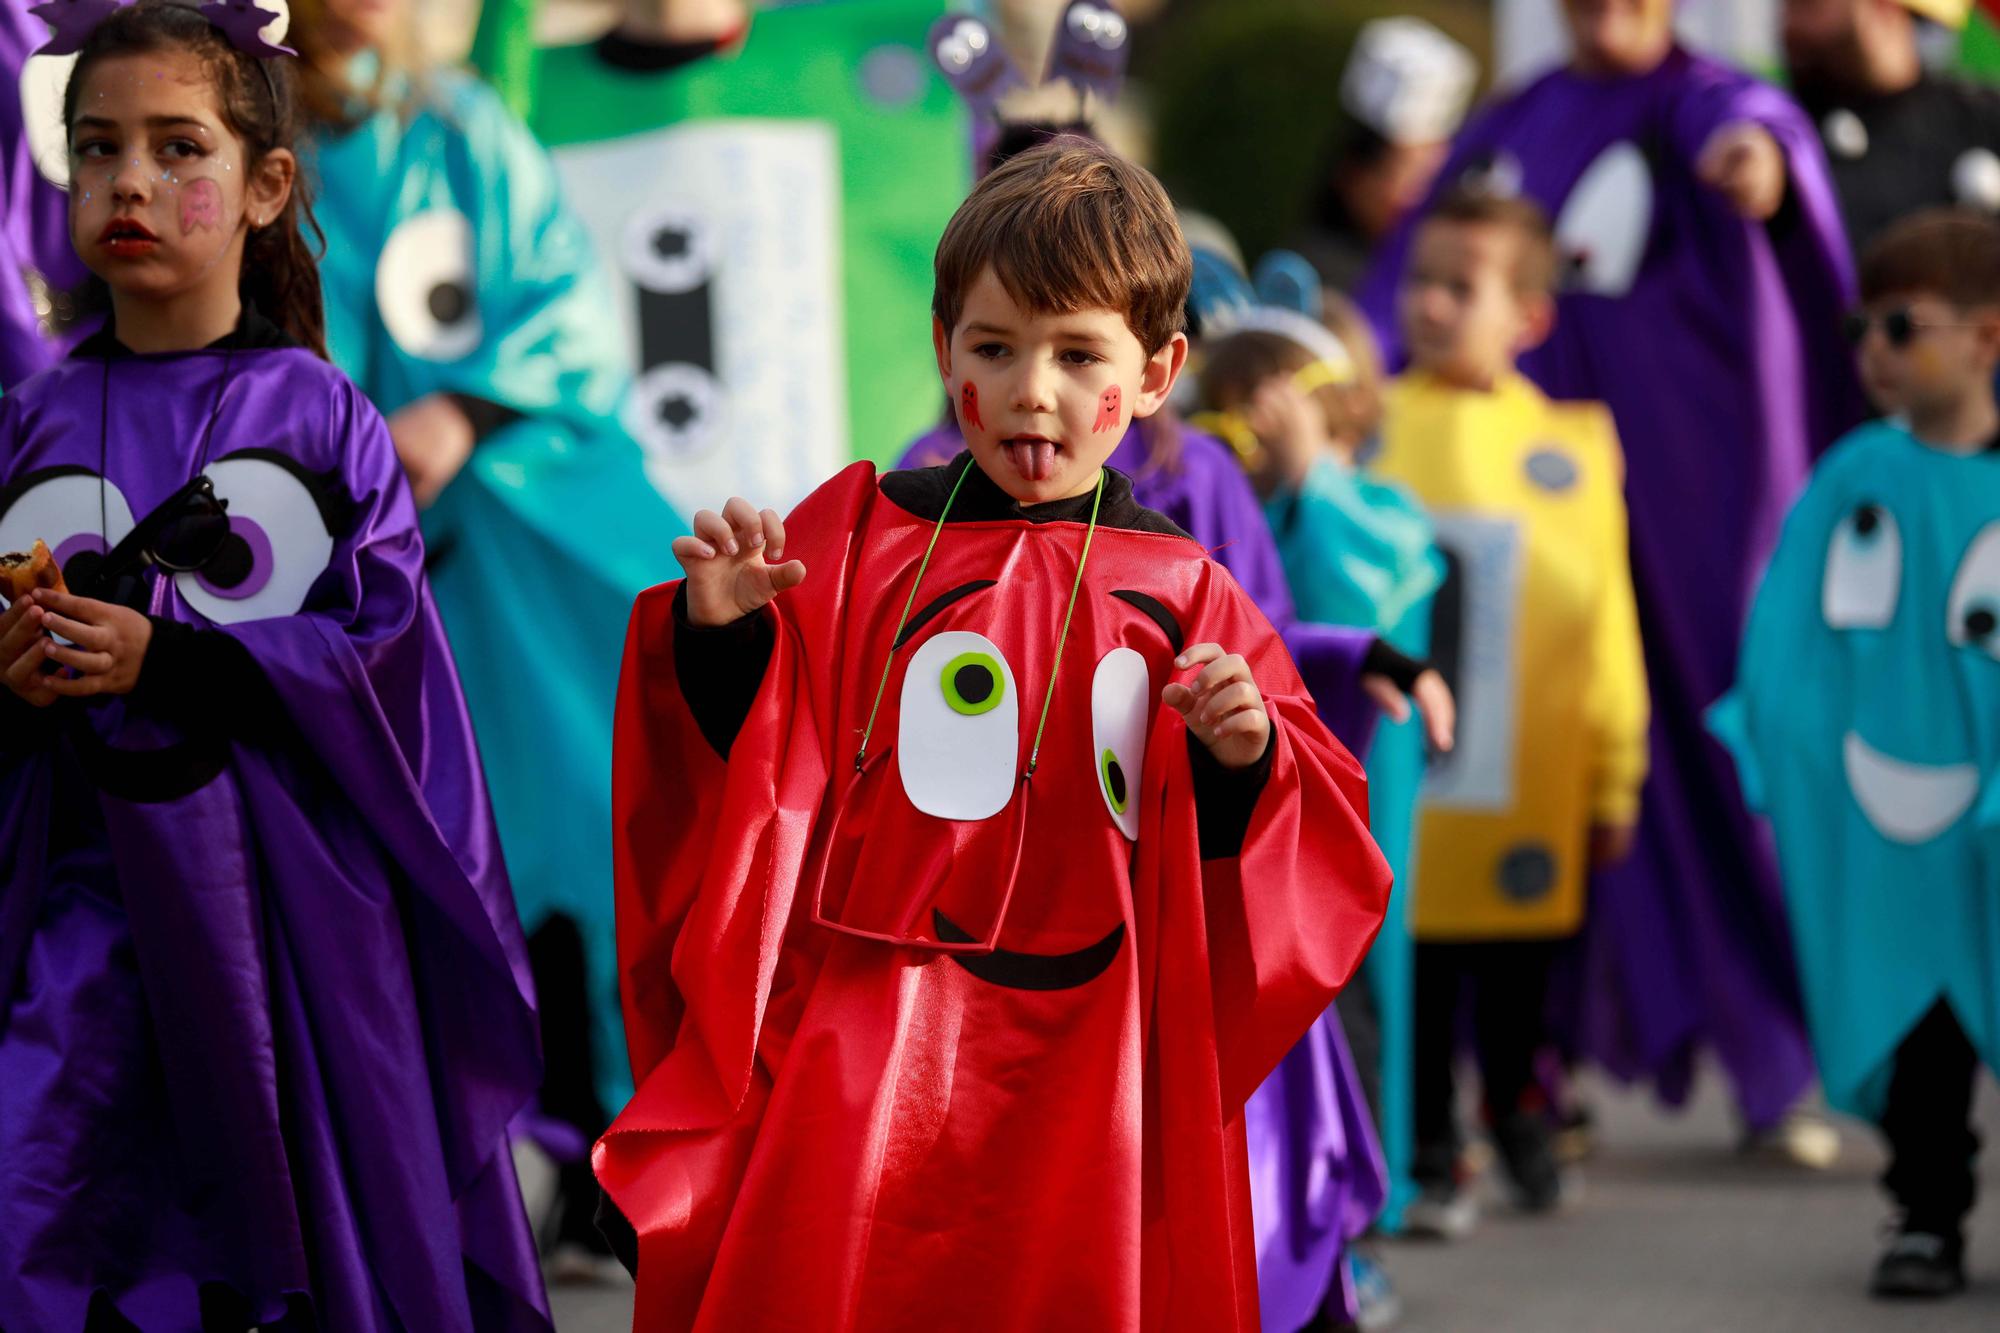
979 850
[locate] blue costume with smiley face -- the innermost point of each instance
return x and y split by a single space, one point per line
1865 722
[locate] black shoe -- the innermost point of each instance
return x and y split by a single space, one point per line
1920 1265
1527 1157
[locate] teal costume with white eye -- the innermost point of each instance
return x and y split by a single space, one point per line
1359 551
454 266
1865 723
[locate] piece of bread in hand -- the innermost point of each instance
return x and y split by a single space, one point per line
22 573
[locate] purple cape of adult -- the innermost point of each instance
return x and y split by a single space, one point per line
34 222
1317 1177
265 1010
1716 343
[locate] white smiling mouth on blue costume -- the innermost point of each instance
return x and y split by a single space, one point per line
1907 803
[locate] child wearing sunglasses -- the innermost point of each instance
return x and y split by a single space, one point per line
1537 634
1865 722
264 1010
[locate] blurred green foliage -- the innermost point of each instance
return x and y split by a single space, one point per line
1245 99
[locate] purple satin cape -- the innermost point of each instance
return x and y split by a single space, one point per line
1316 1170
1726 372
267 1011
34 222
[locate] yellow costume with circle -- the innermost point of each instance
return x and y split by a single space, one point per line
1541 642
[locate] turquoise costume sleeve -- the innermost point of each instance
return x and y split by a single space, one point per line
1865 723
454 267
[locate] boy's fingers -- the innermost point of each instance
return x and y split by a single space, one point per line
1245 723
692 548
745 525
1195 656
788 575
95 664
1220 672
1229 699
774 535
711 528
1178 697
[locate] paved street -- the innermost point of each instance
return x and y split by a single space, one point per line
1676 1233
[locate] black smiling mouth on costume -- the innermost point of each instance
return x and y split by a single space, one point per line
1032 971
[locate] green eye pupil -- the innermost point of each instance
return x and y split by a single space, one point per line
1113 774
972 684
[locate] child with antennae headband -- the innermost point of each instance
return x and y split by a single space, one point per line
264 1007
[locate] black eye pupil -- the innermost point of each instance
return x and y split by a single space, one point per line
670 243
1980 623
448 302
231 564
973 683
1867 519
1114 777
676 411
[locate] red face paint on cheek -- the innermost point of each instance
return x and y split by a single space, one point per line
201 206
968 406
1109 407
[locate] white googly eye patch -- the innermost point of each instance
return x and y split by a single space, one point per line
71 508
424 286
1972 616
958 742
1121 707
281 540
1607 221
1864 569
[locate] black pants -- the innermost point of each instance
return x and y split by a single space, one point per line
1508 982
1928 1123
569 1088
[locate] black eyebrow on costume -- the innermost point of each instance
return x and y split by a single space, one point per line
1156 612
937 604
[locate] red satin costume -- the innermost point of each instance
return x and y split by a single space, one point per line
898 1070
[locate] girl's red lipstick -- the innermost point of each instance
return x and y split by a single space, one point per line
127 238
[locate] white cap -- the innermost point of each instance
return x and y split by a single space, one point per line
1407 81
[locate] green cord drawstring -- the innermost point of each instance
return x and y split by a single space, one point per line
1048 696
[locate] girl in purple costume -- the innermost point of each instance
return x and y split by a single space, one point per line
264 1009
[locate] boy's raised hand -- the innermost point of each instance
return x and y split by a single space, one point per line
735 563
1222 705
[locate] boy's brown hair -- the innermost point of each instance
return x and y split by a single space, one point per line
1951 253
1535 269
1065 227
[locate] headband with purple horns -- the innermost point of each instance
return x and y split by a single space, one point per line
255 27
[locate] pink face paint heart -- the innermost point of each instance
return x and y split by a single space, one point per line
201 206
968 407
1109 405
